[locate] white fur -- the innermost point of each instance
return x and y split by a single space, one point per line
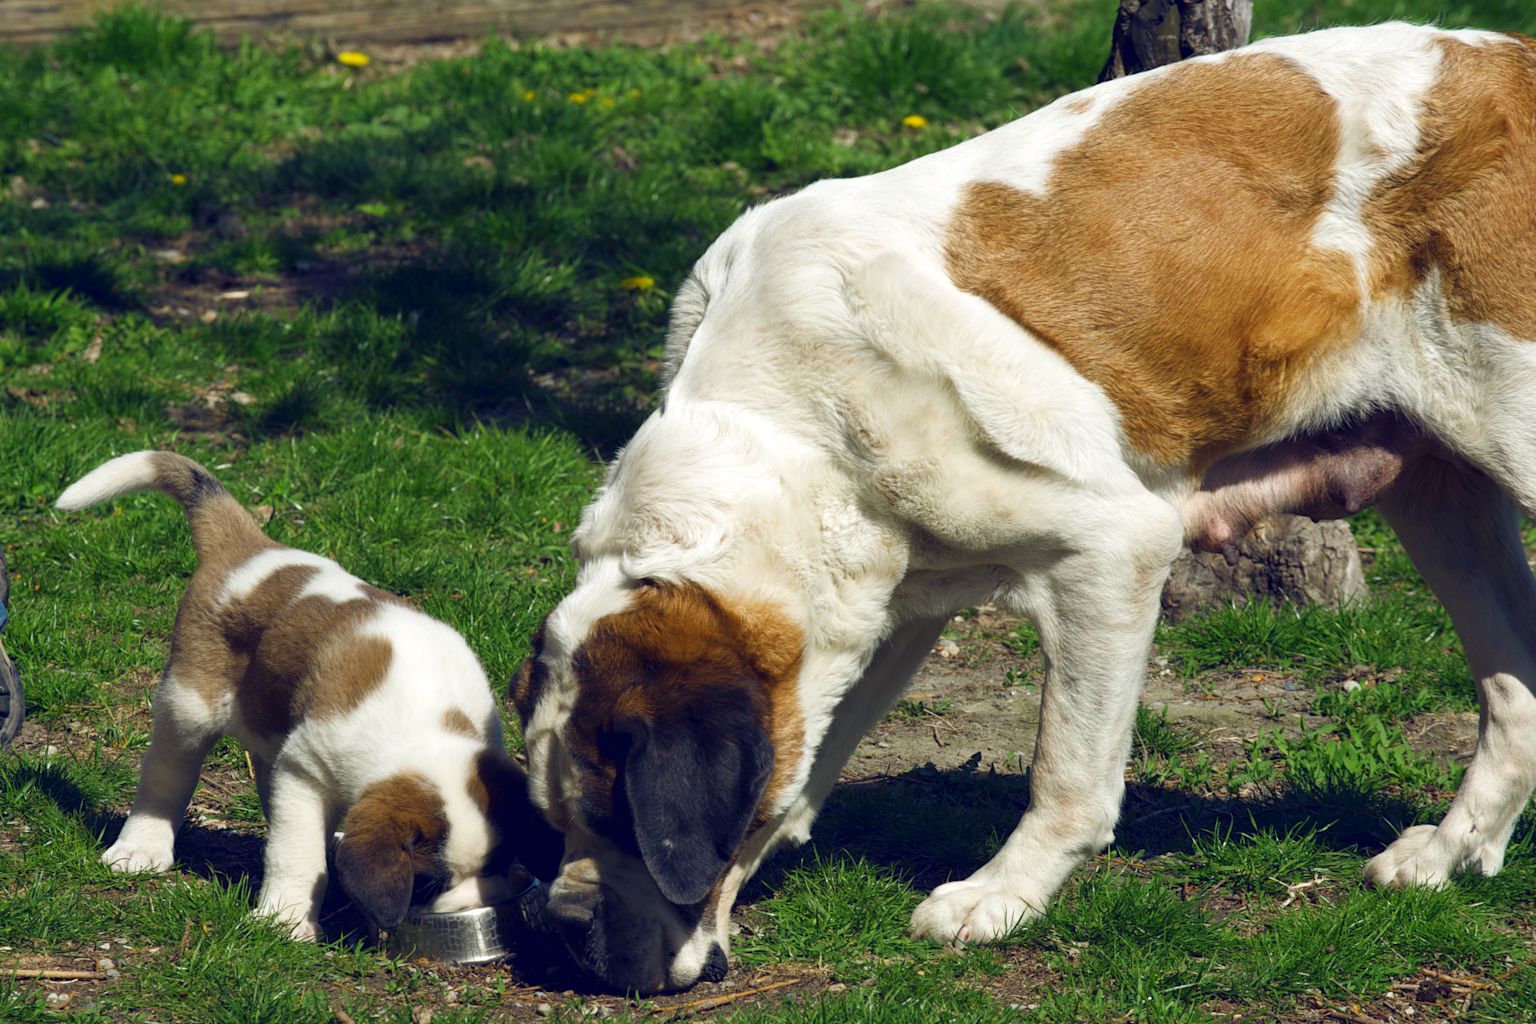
122 475
847 435
310 777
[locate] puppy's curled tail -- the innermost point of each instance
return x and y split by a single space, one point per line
220 524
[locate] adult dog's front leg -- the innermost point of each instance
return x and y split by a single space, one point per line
1095 627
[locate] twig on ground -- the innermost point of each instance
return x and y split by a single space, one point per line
714 1002
342 1016
936 739
1175 809
1292 890
186 937
1451 979
1354 1017
50 974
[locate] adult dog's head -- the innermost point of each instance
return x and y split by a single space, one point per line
659 719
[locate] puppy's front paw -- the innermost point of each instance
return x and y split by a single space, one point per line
973 910
1414 859
299 925
131 858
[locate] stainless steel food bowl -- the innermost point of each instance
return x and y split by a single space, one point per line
479 935
476 936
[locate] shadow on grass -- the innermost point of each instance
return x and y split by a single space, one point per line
934 826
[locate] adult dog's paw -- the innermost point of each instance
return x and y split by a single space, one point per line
973 910
131 858
1414 859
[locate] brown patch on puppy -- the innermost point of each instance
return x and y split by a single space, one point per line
457 722
394 830
1171 262
1077 105
1466 204
284 658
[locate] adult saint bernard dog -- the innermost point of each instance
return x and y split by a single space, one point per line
1300 276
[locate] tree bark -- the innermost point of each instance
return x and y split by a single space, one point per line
1151 33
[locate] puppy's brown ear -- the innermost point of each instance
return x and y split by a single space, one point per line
500 788
392 832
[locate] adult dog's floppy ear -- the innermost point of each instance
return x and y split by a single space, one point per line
693 783
394 827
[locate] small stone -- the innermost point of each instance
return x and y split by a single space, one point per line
58 1000
105 964
837 987
105 945
51 751
543 1009
1350 686
947 648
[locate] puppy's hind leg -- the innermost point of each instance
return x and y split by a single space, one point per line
1463 532
185 726
295 875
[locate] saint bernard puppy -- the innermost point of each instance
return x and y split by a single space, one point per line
1300 276
355 707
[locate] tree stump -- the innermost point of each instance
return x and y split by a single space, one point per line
1286 558
1151 33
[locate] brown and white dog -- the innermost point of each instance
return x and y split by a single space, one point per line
1299 276
350 701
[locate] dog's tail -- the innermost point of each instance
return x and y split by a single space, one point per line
221 527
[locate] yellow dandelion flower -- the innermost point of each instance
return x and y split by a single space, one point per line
915 121
528 95
178 179
638 283
606 101
578 97
352 59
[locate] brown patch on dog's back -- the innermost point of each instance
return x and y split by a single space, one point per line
284 658
457 722
1171 262
676 649
1466 204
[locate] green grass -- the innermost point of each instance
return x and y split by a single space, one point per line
457 278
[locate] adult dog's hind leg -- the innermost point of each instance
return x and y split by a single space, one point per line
1096 611
1462 531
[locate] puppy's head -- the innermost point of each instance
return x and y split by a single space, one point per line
408 840
659 730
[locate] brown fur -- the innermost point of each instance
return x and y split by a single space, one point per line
1170 263
674 646
456 721
283 658
393 832
223 532
1466 205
